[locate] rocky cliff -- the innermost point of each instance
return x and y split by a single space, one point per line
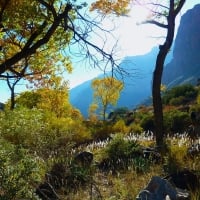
183 67
185 64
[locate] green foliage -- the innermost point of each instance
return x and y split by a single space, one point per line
174 161
176 121
177 101
28 99
147 123
120 127
100 129
78 176
23 127
119 113
135 128
19 172
120 148
143 120
179 94
41 132
120 154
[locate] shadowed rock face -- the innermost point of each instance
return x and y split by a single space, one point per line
185 179
160 189
185 64
176 186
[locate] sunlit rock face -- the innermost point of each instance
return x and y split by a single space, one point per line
185 65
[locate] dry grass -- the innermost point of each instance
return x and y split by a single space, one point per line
122 186
125 185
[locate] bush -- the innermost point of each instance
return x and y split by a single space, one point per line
179 94
147 123
120 154
136 128
175 159
19 172
177 101
23 127
100 130
40 131
176 121
67 177
120 127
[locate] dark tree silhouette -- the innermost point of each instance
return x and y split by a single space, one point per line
170 14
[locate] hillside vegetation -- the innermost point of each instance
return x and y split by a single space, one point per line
43 142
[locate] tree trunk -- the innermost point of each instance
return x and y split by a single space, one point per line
104 112
157 76
157 101
12 100
12 90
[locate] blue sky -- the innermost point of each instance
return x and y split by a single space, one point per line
132 39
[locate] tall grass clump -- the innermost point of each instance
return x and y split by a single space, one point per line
175 158
122 154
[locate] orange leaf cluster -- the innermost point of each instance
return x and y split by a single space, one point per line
118 7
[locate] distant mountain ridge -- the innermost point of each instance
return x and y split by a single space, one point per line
182 66
136 88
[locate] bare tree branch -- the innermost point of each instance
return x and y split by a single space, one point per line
154 22
180 5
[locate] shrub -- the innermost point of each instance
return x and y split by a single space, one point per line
180 94
100 130
120 127
67 129
175 159
147 123
40 131
177 101
19 172
176 121
23 127
120 154
69 176
136 128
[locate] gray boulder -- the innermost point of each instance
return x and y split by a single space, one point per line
160 189
84 158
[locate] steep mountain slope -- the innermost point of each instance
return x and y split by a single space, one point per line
136 88
81 97
181 67
185 65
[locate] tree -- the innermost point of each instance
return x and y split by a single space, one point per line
167 13
106 92
119 7
29 28
54 100
34 36
163 15
11 84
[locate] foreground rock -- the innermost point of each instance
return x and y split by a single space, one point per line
84 158
161 189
